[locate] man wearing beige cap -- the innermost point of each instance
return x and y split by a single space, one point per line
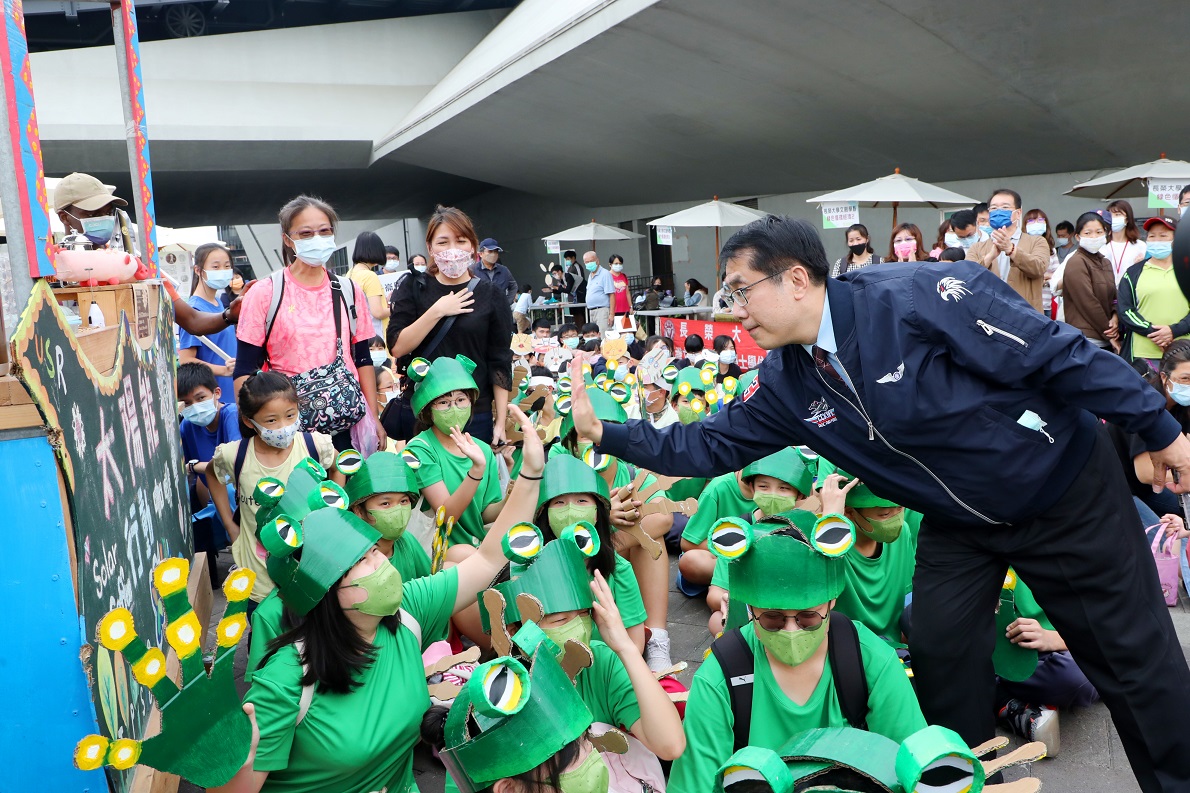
88 207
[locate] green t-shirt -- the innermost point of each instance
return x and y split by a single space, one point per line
626 590
687 488
875 590
606 688
409 559
362 741
893 710
720 499
1159 299
439 465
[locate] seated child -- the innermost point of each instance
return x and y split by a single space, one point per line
788 572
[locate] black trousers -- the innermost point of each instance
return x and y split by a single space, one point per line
1089 567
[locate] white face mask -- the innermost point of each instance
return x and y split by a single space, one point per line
1117 223
1092 244
1035 227
218 279
617 268
421 268
1063 241
379 357
391 265
951 239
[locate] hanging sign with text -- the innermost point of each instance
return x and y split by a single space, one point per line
665 235
1163 194
839 214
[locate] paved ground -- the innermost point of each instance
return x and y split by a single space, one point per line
1092 759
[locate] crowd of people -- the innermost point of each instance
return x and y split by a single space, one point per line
518 487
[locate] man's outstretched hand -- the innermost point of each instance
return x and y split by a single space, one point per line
581 408
1171 463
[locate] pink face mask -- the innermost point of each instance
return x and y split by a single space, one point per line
905 249
453 262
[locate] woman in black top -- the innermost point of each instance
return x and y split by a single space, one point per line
475 315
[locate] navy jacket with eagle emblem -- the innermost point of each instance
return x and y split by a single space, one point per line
952 369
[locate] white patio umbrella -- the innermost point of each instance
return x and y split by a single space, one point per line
592 231
713 213
896 189
1133 182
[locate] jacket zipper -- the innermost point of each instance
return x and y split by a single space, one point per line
874 433
992 329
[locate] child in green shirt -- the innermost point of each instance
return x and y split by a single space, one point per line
789 579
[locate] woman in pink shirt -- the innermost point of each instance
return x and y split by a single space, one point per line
331 365
623 301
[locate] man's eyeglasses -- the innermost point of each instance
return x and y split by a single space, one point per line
741 294
777 620
309 234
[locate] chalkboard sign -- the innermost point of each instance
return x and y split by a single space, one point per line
116 438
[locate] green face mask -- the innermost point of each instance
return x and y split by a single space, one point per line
886 530
774 503
792 647
445 420
569 514
687 416
591 776
383 586
578 628
391 522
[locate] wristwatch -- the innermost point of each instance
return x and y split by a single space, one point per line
227 320
190 467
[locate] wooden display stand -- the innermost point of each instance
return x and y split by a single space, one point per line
137 301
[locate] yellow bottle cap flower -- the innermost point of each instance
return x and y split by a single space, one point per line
149 670
123 754
116 629
238 584
184 634
230 629
90 752
171 575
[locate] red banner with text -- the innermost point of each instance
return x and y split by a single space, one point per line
749 355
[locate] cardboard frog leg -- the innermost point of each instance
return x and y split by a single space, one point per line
1029 753
530 607
1025 785
612 741
444 691
1011 661
676 669
205 734
494 602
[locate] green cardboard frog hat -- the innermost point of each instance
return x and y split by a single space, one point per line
564 475
792 560
306 559
204 734
383 472
785 466
608 405
555 574
432 380
860 496
306 490
844 759
508 720
697 385
1011 661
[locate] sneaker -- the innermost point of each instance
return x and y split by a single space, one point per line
1033 723
657 651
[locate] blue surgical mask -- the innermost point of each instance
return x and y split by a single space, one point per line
591 266
379 357
1063 242
1118 223
421 268
1160 250
99 230
201 413
315 251
1000 218
571 343
218 279
391 265
966 242
1180 393
727 357
987 230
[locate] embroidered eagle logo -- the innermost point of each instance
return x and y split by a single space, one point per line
952 287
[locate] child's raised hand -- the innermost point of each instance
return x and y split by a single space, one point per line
607 617
834 494
532 450
468 447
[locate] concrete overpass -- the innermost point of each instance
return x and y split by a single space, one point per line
557 111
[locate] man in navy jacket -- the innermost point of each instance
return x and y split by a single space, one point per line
946 392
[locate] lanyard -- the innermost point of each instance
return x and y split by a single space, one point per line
1117 263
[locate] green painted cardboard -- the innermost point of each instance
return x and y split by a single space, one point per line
860 496
557 576
564 474
786 466
383 472
1011 661
432 380
937 758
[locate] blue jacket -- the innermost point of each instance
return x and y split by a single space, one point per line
499 275
946 359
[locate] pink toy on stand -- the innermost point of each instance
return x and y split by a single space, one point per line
97 267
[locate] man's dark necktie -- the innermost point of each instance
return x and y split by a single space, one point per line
823 362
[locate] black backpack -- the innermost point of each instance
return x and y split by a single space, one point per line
735 658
